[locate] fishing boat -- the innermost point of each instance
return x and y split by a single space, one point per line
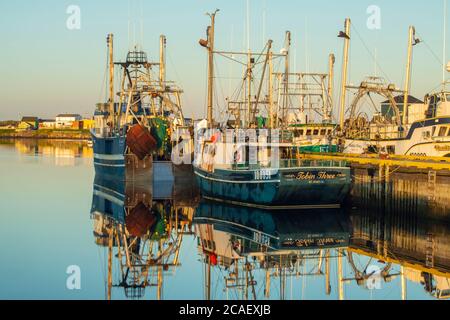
136 126
246 163
401 125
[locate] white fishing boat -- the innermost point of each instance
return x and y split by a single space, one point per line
401 125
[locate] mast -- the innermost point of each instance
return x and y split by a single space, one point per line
331 61
444 50
110 253
162 61
403 281
210 42
327 112
412 32
110 41
286 74
346 36
249 88
340 275
327 273
270 90
266 61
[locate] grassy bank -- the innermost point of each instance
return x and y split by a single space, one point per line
46 134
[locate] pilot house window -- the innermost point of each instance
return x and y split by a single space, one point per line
442 131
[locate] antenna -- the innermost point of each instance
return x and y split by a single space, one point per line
248 25
142 25
264 21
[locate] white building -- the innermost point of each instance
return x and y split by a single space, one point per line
67 120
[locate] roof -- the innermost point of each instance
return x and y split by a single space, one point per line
401 98
46 120
30 119
68 115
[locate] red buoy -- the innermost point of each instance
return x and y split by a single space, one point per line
140 141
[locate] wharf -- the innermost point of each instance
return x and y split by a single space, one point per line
385 164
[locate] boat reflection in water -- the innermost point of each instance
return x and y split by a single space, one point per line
143 234
405 222
391 242
254 246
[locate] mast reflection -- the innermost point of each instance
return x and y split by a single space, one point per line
250 244
143 234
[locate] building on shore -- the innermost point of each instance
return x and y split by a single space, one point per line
47 124
67 120
29 123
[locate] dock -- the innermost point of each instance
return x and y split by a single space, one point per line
386 164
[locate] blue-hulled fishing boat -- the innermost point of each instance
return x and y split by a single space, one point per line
290 184
133 127
253 162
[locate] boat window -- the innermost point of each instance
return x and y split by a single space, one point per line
448 97
302 132
323 132
448 133
431 112
433 131
316 132
329 132
308 132
442 131
298 133
390 149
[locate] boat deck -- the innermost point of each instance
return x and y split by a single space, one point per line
390 161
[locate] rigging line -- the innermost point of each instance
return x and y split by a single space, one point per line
435 56
230 58
370 52
177 76
220 84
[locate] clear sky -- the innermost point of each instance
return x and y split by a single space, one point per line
47 69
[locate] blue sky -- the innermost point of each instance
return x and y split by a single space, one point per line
47 69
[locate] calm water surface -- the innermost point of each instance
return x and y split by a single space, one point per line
392 242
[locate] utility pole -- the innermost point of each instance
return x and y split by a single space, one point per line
346 36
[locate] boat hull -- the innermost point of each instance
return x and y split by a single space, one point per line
287 188
109 159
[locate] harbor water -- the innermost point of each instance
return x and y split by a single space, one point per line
391 241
